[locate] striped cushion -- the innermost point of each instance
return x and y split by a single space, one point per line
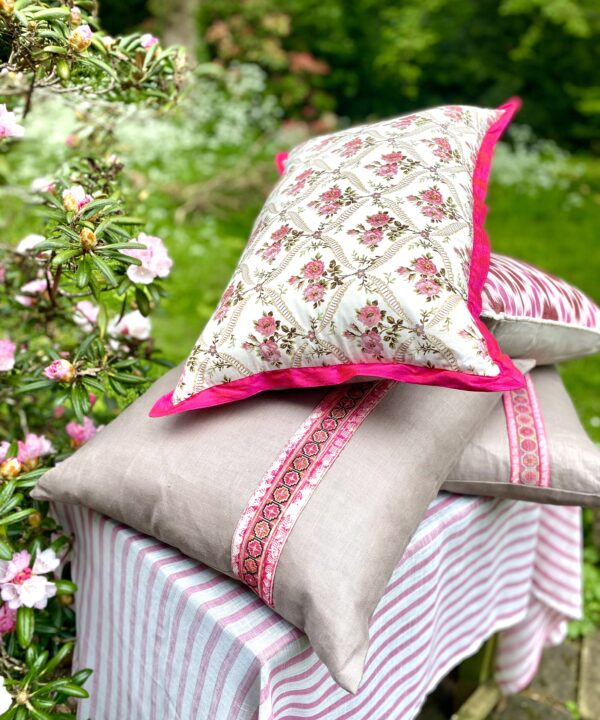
536 315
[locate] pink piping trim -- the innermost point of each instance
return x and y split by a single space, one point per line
513 438
509 378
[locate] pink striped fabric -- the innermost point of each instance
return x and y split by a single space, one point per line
170 638
516 289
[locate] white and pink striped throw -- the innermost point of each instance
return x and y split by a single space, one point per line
170 638
534 314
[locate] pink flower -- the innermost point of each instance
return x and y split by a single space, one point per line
4 445
154 257
7 355
81 38
8 124
265 325
270 252
314 269
133 325
269 351
393 157
8 619
432 196
331 195
433 211
86 314
314 292
33 447
329 209
81 433
43 184
2 273
60 370
25 586
369 315
74 198
428 287
58 412
32 288
371 343
424 266
280 233
29 242
379 219
351 147
148 40
372 237
443 149
404 122
454 112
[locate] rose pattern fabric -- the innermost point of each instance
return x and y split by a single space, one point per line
361 254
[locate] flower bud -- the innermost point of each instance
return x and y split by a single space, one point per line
88 239
108 41
75 16
35 519
10 468
29 464
60 370
65 600
7 7
81 38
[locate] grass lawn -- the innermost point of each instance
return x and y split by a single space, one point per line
540 230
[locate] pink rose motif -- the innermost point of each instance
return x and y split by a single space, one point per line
270 252
393 157
454 112
433 211
371 343
280 233
331 195
428 287
372 238
81 433
404 122
379 219
350 148
314 269
432 196
388 170
369 315
314 293
424 266
443 149
7 355
329 209
60 370
265 325
269 351
8 619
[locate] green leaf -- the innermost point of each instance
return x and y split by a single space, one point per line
50 14
74 691
102 319
65 587
82 274
102 65
104 268
54 49
79 402
7 492
80 677
32 386
6 550
12 503
142 301
17 517
58 657
25 626
64 256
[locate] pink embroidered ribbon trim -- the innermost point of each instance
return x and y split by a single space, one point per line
529 455
276 504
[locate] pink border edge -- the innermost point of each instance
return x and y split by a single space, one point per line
510 378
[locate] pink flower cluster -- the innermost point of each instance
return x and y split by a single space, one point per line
148 40
8 124
60 370
74 198
33 447
154 258
132 325
80 433
23 585
7 354
31 289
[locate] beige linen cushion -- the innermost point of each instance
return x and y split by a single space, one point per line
190 480
549 459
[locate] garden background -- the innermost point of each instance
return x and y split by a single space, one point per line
271 72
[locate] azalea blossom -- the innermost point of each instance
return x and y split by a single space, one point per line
8 124
8 620
7 354
60 370
33 447
25 586
81 432
81 38
10 468
32 288
148 40
86 314
43 184
29 242
75 16
133 325
2 273
6 699
74 198
154 258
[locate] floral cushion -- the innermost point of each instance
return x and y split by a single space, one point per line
368 259
535 315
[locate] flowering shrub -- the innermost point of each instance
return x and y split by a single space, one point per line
75 332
